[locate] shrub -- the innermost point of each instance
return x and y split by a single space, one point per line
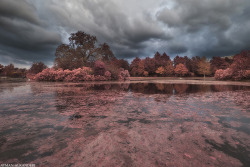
76 75
100 78
99 68
123 75
247 74
114 72
47 74
145 73
223 74
230 74
108 75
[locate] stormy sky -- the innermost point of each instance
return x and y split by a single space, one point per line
30 30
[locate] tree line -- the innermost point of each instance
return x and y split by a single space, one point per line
222 68
84 57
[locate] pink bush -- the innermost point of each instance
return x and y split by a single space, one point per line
88 70
123 75
76 75
89 78
30 76
99 68
230 74
100 78
246 74
238 70
223 74
60 75
47 74
107 75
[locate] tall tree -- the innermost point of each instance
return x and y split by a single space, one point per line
183 60
1 68
157 58
180 60
204 67
165 57
241 63
161 60
99 68
9 70
134 66
104 53
169 68
80 51
218 63
149 65
181 70
194 65
140 69
65 57
37 67
120 63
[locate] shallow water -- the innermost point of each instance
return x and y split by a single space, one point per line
139 124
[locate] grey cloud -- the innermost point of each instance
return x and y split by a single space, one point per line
21 10
23 35
31 30
209 28
195 14
177 49
26 35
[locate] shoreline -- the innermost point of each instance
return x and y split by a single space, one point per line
160 80
187 80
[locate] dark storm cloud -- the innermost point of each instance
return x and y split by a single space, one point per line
221 23
31 30
23 35
195 14
177 49
18 9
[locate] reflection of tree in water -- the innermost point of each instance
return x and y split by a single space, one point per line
151 88
161 88
10 86
181 88
222 88
73 95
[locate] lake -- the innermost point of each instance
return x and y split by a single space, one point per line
124 124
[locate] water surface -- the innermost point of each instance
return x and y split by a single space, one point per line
139 124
